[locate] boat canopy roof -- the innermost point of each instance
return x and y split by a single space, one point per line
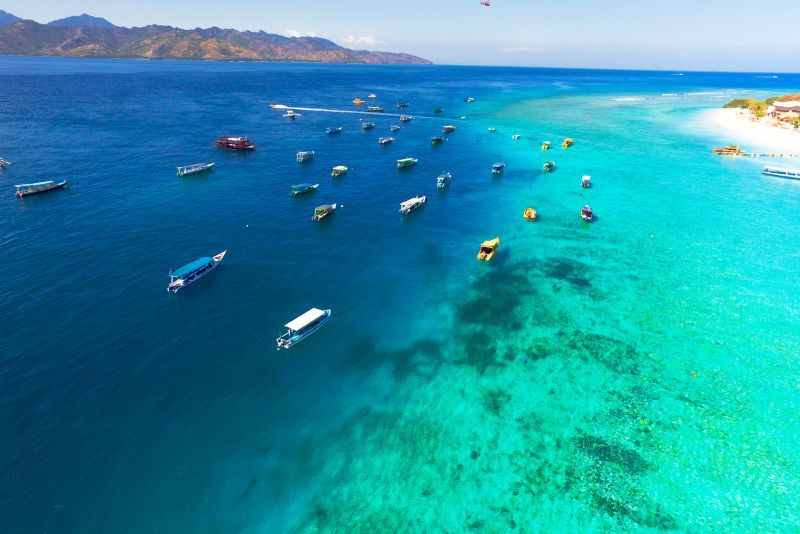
411 202
340 167
48 182
301 186
306 319
780 169
192 267
325 207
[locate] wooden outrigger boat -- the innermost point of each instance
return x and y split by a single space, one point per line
411 204
320 212
406 162
529 214
299 189
489 249
339 170
546 145
194 169
192 272
24 190
302 327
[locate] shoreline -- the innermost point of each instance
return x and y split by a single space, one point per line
754 135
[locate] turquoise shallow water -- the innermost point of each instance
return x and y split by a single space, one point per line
591 378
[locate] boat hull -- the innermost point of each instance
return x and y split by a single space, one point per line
174 287
59 185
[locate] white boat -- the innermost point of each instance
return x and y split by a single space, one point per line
192 272
302 327
406 118
492 129
516 137
444 179
406 162
586 182
385 140
4 163
411 204
38 187
194 169
339 170
372 96
305 156
292 115
779 172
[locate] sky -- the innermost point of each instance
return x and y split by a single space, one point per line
731 35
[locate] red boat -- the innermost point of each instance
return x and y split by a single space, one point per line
235 143
586 214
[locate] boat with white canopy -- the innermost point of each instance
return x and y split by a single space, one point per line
411 204
302 327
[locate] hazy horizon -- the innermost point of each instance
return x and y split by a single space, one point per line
711 37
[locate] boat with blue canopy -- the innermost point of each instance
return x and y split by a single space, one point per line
38 187
192 272
299 189
300 328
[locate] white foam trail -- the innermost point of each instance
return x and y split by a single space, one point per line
628 99
349 112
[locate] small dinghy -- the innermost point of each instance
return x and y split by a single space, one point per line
305 156
4 163
437 141
488 249
394 128
443 180
448 129
339 170
529 214
498 168
549 166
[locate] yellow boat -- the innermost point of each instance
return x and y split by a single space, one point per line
488 249
567 142
529 214
546 145
358 102
731 150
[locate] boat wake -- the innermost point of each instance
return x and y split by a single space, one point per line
346 111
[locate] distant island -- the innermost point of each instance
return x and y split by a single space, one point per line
88 36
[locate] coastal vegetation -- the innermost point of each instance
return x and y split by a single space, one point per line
787 114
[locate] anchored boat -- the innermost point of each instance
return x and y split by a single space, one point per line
516 137
782 173
444 179
529 214
469 100
305 156
299 189
334 131
374 109
339 170
372 96
411 204
568 142
489 249
492 129
401 105
394 128
4 163
302 327
235 143
358 102
385 140
497 168
406 162
448 129
24 190
546 145
406 118
291 115
367 125
192 272
320 212
437 140
586 182
194 169
587 214
438 110
549 166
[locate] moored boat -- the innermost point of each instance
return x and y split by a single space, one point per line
489 249
438 110
549 166
372 96
546 145
469 100
448 129
401 105
411 204
406 118
339 170
24 190
299 189
587 214
394 128
529 214
194 169
406 162
306 155
193 271
235 143
437 140
374 109
367 125
498 167
4 163
516 137
322 211
358 102
586 182
779 172
492 129
291 115
385 140
302 327
334 131
730 150
444 179
568 142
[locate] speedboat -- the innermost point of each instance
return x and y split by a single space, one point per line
437 140
339 170
406 162
406 118
782 173
412 204
322 211
194 169
299 189
394 128
497 168
385 140
529 214
587 214
374 109
549 166
192 272
546 145
586 182
448 129
235 143
443 180
401 105
291 115
489 249
568 142
302 327
358 102
333 131
24 190
469 99
305 156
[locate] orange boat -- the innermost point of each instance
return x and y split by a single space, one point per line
730 150
489 249
358 102
529 214
568 143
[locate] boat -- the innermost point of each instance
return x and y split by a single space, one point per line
194 169
334 131
299 189
291 115
372 96
411 204
4 163
516 137
529 214
305 156
489 249
444 179
437 140
374 109
497 168
438 110
546 145
587 214
385 140
394 128
406 162
469 99
730 150
273 106
492 130
302 327
406 118
568 142
448 129
367 125
549 166
339 170
24 190
322 211
586 182
401 105
779 172
192 272
235 143
358 102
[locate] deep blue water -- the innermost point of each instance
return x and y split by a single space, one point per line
126 409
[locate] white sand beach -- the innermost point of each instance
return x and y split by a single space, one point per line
754 136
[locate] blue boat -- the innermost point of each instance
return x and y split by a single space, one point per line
38 187
299 189
444 180
302 327
192 272
779 172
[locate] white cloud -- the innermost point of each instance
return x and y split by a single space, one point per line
291 32
522 50
362 40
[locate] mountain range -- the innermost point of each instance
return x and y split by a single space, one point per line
88 36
